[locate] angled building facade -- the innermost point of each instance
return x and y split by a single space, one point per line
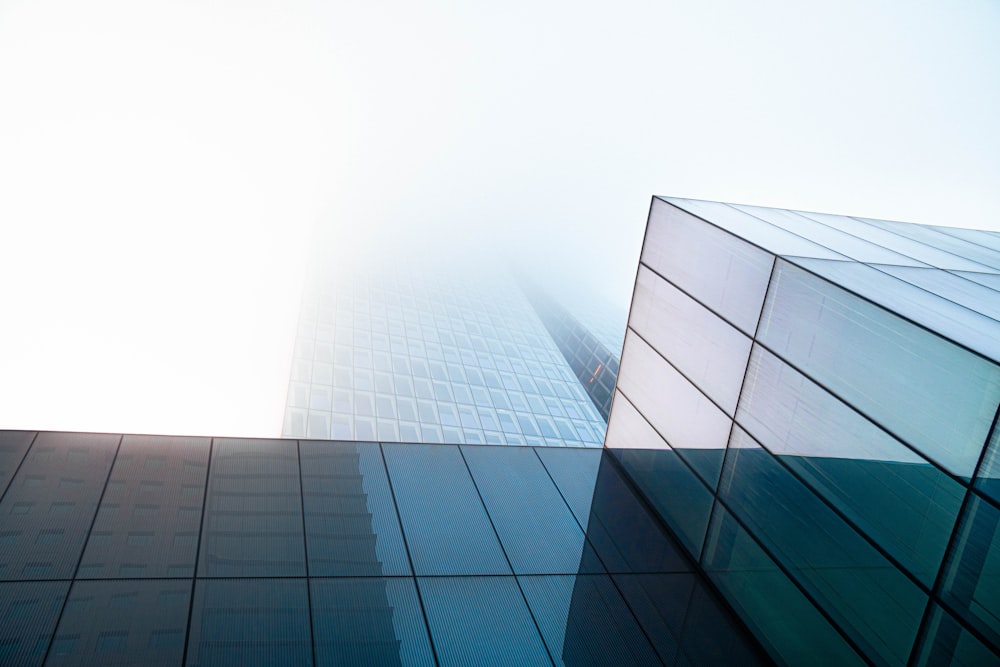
810 402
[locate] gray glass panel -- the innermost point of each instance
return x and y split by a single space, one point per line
28 614
834 239
901 244
123 623
972 582
481 621
876 604
150 515
951 286
948 643
446 527
775 610
253 513
51 502
991 280
575 473
536 528
931 393
625 534
945 242
351 522
707 350
250 622
584 621
902 502
946 318
718 269
682 415
682 499
369 621
771 238
13 446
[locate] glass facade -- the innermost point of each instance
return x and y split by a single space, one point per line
810 402
209 551
433 355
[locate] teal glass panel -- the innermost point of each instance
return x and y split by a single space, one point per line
249 622
50 504
988 477
536 527
13 446
481 621
574 471
253 511
905 504
948 643
690 423
689 253
707 350
972 582
29 611
872 601
446 527
150 514
774 609
138 622
682 499
369 621
351 523
931 393
569 610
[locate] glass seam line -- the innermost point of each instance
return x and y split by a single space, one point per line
510 565
409 558
949 554
305 552
905 443
83 549
197 553
17 469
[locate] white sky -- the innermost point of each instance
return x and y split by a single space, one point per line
163 165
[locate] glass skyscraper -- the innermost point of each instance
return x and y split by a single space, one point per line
801 467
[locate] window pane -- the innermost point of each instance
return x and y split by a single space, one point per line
931 393
351 522
575 473
253 513
481 621
901 501
446 527
723 272
948 643
369 621
13 446
28 615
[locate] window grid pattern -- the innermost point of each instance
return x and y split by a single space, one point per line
421 357
833 500
610 562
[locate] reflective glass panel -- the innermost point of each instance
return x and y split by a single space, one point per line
972 582
723 272
988 477
369 621
707 350
680 413
28 614
253 512
948 643
123 622
946 242
536 528
951 286
446 527
153 476
683 500
901 501
250 622
481 621
991 280
13 446
351 522
929 392
584 621
51 502
575 472
777 612
869 598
